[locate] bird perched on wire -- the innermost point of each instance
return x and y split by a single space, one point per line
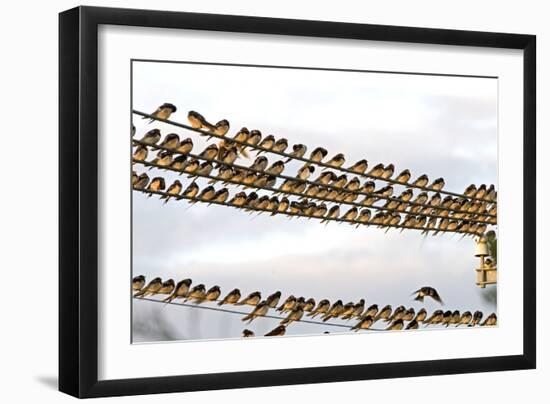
298 151
248 333
206 194
278 331
170 141
231 298
140 154
142 181
304 172
322 308
364 324
421 181
280 145
295 315
478 315
197 294
166 288
455 318
413 325
404 176
359 167
191 191
372 310
151 289
421 315
377 170
198 121
260 310
435 318
273 299
465 318
162 112
396 325
335 310
398 314
318 154
309 305
138 282
180 291
288 304
490 320
266 143
409 314
173 190
356 311
260 164
351 214
384 314
438 184
427 291
337 161
212 294
178 163
210 152
447 318
388 171
470 190
157 184
252 299
185 146
152 137
221 127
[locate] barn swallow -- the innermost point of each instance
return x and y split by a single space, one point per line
360 167
163 159
413 325
455 318
151 137
395 326
447 318
210 152
228 155
491 193
421 198
384 314
295 315
260 164
185 146
309 305
207 194
267 143
273 300
251 200
325 178
283 205
481 190
431 225
242 135
140 154
318 154
288 304
263 202
180 291
305 172
398 314
368 187
388 171
248 333
191 191
409 314
170 141
404 176
273 203
322 308
221 128
386 191
350 197
231 298
372 310
435 318
213 293
138 283
298 151
162 112
377 170
259 311
436 200
478 315
166 288
421 315
348 309
252 299
191 166
254 137
490 320
172 190
312 190
142 181
365 323
427 291
278 331
198 294
276 168
351 214
221 195
204 169
157 184
337 161
322 193
392 204
340 181
320 210
406 195
421 181
280 145
438 184
356 311
135 178
178 163
333 213
239 199
151 288
198 121
335 310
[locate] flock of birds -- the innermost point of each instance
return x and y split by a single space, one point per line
296 308
469 213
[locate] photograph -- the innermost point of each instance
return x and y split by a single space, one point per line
287 201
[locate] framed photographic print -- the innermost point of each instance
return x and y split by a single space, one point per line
266 201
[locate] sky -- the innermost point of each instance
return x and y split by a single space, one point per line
439 126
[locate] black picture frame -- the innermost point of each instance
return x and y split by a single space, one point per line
78 200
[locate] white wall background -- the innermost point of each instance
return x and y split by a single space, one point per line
28 345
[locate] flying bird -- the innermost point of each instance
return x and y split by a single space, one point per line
427 291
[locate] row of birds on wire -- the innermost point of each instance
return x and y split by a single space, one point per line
274 205
296 308
327 186
231 148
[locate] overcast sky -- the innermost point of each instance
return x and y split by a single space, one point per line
439 126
